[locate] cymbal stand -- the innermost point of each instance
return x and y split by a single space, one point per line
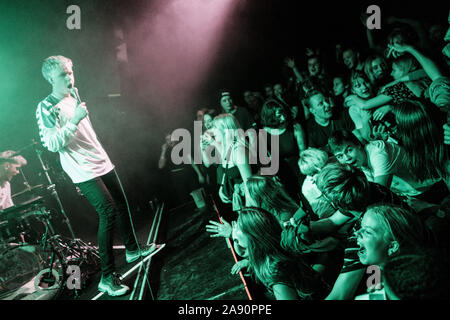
25 181
70 251
76 244
52 188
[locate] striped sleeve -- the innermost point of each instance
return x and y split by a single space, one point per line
53 136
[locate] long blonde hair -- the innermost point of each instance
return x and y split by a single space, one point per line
231 132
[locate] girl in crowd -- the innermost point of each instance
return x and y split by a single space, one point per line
206 116
410 82
387 231
268 193
291 141
286 275
233 155
426 159
376 70
361 89
439 89
340 89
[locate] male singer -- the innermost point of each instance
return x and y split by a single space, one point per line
64 127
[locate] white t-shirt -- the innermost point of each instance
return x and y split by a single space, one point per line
314 197
382 159
360 117
386 158
5 196
82 156
310 191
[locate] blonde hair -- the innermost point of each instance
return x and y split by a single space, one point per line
231 131
53 62
402 226
312 160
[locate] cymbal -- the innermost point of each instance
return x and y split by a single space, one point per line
39 186
22 206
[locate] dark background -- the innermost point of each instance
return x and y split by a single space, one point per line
166 78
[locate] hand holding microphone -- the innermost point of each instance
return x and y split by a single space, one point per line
80 110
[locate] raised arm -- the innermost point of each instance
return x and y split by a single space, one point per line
428 65
291 64
418 28
345 286
300 137
163 157
328 225
378 101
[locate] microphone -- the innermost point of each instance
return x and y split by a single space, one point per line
75 94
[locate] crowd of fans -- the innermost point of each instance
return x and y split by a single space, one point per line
363 180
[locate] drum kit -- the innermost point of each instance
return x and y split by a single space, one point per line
34 259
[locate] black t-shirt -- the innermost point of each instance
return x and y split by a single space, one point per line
318 135
244 117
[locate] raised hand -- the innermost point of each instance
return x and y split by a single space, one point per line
309 52
381 112
379 132
354 101
223 197
218 229
397 49
363 19
80 113
289 63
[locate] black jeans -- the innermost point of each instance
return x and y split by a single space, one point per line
106 197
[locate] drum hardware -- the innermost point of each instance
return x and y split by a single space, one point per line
22 223
52 188
21 267
58 254
71 252
35 188
74 251
17 232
